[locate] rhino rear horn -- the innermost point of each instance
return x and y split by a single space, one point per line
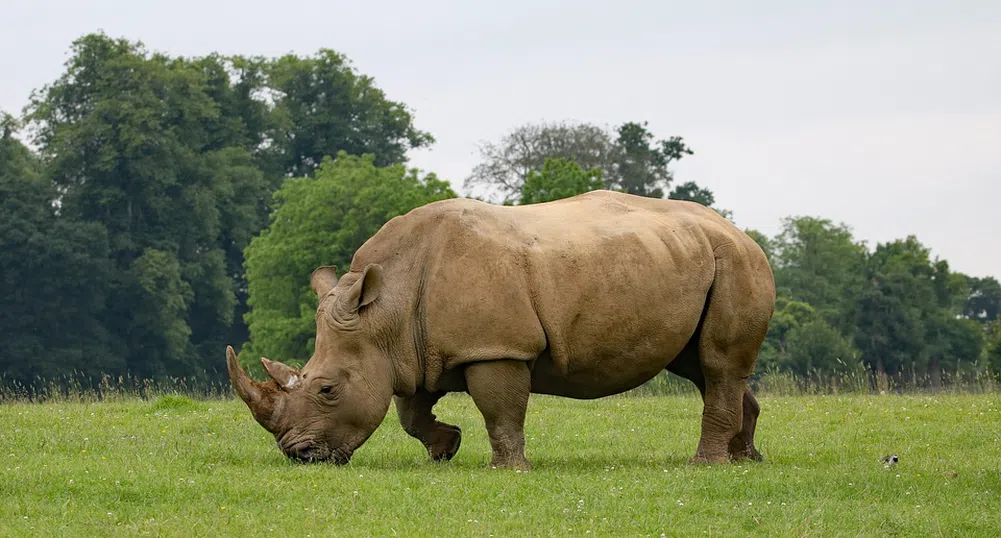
323 279
260 398
284 375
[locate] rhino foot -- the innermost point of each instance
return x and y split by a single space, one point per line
513 464
749 453
705 460
445 442
741 449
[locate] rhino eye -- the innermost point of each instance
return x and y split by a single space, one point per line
326 389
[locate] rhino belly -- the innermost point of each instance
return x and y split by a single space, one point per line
604 367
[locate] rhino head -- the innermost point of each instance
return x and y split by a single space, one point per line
325 411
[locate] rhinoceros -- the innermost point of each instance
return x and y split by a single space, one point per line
583 297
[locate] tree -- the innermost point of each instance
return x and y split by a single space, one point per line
558 179
135 142
908 309
177 159
630 159
950 341
800 341
993 348
54 278
507 164
788 315
321 220
984 300
817 348
692 192
641 163
818 262
323 106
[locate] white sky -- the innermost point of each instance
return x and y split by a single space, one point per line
883 114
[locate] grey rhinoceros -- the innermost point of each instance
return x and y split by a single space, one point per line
582 297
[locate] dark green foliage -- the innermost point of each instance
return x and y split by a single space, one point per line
800 341
993 348
819 263
323 105
630 159
164 170
54 278
525 149
984 301
816 347
641 163
558 179
692 192
321 221
894 308
132 139
124 238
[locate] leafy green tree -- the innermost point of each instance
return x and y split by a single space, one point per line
558 179
641 163
629 157
54 278
993 347
692 192
800 341
788 315
244 120
321 220
818 262
984 300
908 312
324 106
134 141
177 160
951 343
525 149
816 347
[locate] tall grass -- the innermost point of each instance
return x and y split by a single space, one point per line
970 380
77 387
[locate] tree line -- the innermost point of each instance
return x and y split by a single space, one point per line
156 208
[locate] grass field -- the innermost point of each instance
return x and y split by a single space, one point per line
611 467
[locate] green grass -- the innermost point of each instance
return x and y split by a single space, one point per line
612 467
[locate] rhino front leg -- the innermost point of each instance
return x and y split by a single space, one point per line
441 440
500 391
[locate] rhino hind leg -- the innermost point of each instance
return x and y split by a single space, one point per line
734 326
741 446
417 418
500 390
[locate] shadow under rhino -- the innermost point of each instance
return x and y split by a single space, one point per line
583 297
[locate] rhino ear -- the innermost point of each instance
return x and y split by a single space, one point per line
365 290
284 375
323 279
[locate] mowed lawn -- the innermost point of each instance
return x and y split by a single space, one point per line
610 467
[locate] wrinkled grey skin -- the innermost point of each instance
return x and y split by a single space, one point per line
330 408
583 297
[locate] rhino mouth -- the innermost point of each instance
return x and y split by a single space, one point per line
309 452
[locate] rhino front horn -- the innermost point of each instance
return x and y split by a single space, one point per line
258 397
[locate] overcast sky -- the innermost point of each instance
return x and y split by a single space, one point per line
885 115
